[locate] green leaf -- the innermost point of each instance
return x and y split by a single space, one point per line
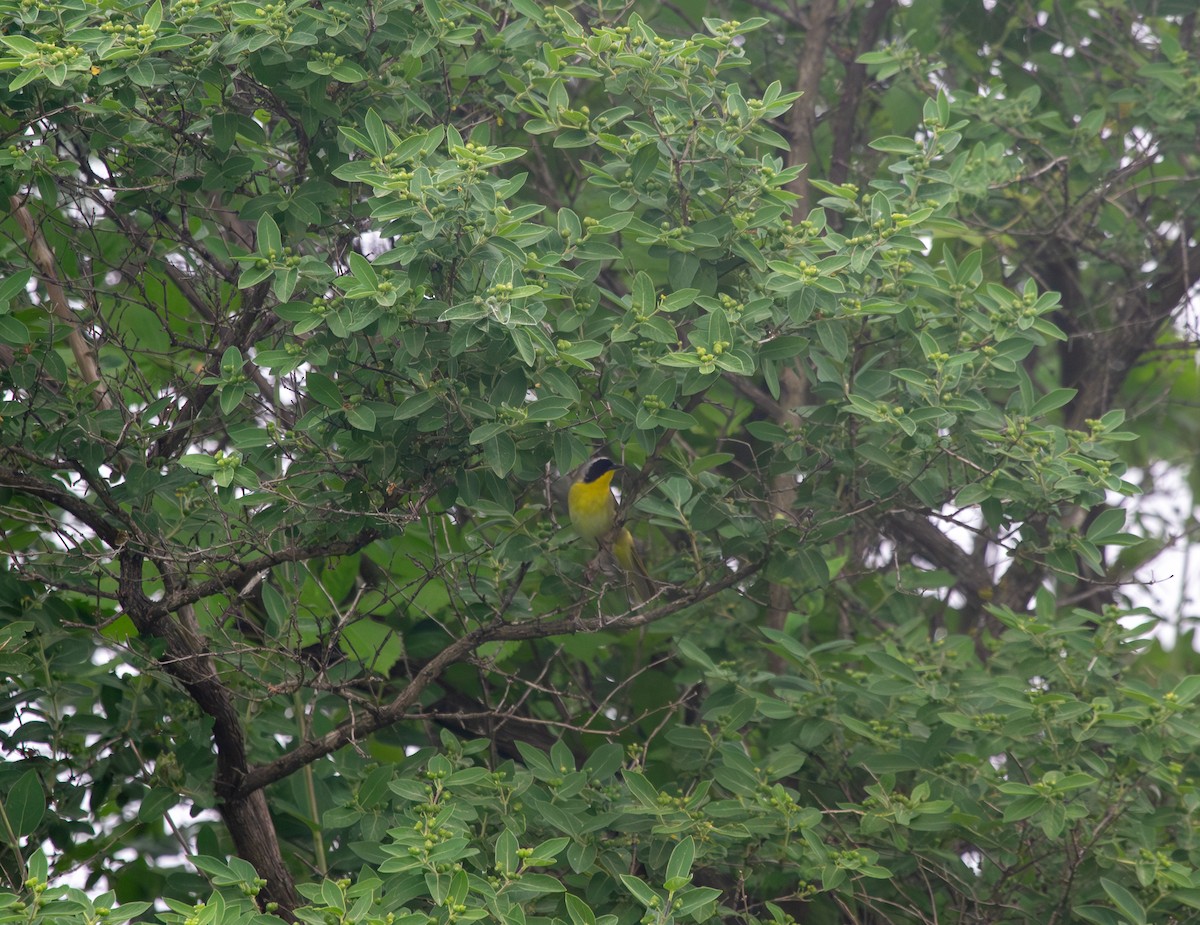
548 851
641 891
783 347
1124 901
324 390
13 331
643 294
155 804
1187 690
1106 524
679 299
25 804
1100 915
270 243
500 453
225 126
833 338
485 432
579 911
719 331
361 417
285 283
641 788
199 463
377 133
153 17
506 853
1052 400
13 285
232 363
694 900
534 11
231 397
679 865
415 405
20 44
550 409
604 762
876 57
361 270
348 72
252 276
895 144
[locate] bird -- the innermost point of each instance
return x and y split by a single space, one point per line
593 511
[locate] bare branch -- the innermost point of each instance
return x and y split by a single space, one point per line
802 121
238 575
43 258
356 726
60 497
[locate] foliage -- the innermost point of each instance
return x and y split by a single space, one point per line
309 310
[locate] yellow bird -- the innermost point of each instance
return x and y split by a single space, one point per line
593 511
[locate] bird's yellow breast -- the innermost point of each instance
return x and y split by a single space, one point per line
592 506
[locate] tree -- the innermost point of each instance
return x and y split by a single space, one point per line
309 308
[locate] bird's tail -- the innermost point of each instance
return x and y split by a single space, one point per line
625 551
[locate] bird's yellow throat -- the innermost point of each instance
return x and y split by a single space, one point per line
592 506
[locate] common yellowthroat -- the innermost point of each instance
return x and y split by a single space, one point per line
593 511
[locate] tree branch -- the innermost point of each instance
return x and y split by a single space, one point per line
239 575
242 335
43 258
188 659
802 122
915 532
793 386
356 727
62 498
847 117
